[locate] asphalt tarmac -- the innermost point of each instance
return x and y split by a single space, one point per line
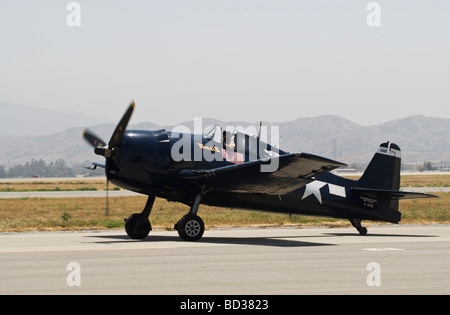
391 259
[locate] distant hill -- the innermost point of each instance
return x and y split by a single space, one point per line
420 138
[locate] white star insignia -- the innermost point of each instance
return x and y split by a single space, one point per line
313 188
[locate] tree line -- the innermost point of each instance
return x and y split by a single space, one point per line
40 168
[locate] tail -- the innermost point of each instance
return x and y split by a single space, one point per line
379 186
383 171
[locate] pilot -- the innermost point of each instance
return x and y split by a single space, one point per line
228 141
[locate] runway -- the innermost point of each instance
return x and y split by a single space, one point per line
392 259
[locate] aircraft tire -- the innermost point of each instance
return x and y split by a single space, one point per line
362 231
190 228
137 226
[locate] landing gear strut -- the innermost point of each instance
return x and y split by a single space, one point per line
191 227
357 224
137 225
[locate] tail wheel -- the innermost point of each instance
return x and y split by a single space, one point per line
190 228
357 224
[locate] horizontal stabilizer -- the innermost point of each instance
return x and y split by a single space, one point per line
382 194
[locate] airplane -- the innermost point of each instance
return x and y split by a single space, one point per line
143 161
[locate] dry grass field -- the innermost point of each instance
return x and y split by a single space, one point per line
89 213
59 185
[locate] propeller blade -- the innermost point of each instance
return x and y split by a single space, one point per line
116 138
93 140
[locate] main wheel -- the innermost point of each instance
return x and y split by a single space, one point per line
190 228
137 226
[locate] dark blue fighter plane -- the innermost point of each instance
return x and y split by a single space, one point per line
143 161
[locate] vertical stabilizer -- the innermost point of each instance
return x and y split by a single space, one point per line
383 171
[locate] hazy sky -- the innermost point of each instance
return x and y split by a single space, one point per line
270 60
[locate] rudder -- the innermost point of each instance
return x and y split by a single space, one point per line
383 171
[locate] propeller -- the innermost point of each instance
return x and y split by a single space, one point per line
90 137
100 147
120 129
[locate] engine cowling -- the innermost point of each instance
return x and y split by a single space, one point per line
141 162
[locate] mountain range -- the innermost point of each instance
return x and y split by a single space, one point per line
421 138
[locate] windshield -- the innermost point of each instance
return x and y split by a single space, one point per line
213 133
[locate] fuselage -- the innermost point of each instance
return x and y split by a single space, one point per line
149 162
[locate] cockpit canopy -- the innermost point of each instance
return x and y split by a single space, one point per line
242 140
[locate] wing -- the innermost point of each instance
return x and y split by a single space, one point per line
294 171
